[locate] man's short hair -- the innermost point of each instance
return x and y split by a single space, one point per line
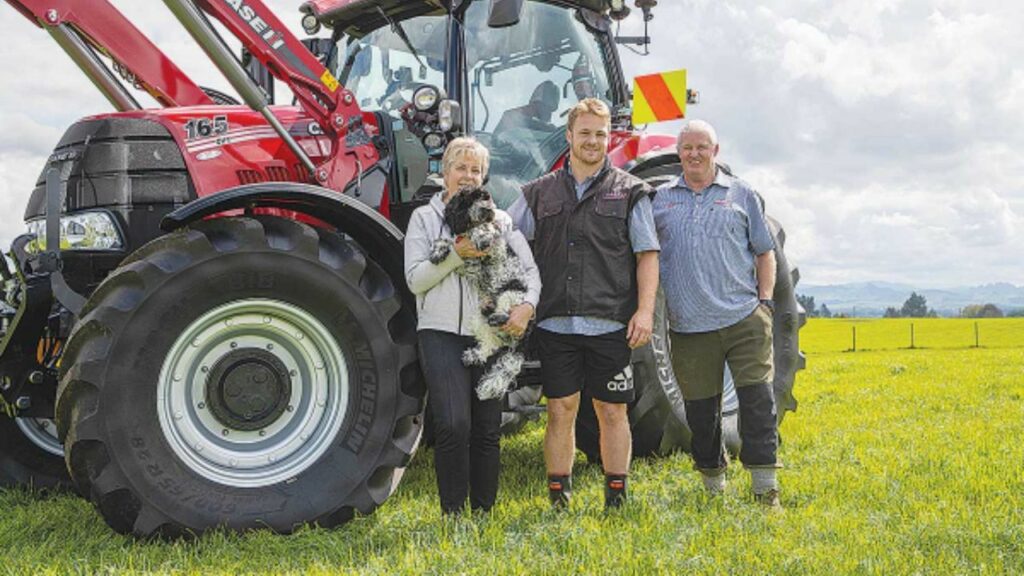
589 106
465 146
699 127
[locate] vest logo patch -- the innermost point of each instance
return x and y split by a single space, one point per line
614 195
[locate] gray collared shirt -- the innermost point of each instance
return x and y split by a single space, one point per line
709 240
642 237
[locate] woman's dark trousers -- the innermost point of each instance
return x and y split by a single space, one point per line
467 432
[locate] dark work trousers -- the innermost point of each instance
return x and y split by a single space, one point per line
699 360
467 450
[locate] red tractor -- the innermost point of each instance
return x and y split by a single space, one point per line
207 324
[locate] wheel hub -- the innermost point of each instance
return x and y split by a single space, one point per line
248 389
252 392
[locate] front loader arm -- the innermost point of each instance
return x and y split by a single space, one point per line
85 27
270 42
331 105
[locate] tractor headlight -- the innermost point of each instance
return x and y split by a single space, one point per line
310 24
433 140
82 231
618 9
449 115
425 98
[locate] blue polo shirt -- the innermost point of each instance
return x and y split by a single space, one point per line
709 240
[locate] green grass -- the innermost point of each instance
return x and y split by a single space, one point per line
897 462
836 335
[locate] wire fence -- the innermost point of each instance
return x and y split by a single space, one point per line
856 335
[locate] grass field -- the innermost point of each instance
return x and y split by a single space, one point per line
836 335
897 462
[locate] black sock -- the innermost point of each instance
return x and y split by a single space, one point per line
614 490
559 490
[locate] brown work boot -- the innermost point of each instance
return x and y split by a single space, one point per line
770 500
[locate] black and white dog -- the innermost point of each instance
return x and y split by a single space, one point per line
500 281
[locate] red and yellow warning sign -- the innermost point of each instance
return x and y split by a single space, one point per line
659 97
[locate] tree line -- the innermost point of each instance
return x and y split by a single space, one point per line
915 306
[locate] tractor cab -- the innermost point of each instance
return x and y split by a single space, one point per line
513 84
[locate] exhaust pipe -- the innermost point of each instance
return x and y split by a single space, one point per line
91 65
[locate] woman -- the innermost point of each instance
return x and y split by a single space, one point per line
466 429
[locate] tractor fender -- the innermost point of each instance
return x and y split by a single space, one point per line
654 159
375 233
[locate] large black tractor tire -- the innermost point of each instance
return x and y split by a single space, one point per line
31 455
657 415
241 373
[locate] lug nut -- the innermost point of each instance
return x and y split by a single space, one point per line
35 377
23 403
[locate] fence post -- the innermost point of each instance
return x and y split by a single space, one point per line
911 335
854 349
976 342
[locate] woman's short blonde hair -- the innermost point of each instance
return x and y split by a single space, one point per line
465 146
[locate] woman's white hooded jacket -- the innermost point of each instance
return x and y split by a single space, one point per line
445 301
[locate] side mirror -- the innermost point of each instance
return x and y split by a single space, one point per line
504 13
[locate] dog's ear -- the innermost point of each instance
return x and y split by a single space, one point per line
479 194
456 213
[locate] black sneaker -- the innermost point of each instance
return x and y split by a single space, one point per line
559 491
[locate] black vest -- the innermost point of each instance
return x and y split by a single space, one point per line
582 248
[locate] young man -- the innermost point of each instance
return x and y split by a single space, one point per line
595 245
718 274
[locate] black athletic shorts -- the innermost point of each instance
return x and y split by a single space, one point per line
600 364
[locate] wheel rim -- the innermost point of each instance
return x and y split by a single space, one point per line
43 433
252 393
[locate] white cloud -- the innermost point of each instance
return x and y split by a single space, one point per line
884 134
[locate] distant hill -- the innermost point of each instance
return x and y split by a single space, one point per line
872 298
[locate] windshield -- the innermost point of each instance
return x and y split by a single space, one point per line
523 79
382 71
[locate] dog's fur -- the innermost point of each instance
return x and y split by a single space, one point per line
500 282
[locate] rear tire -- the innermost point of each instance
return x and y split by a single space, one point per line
31 455
241 373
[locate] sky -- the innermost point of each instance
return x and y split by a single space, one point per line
884 135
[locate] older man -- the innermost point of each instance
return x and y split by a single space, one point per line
596 248
718 274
